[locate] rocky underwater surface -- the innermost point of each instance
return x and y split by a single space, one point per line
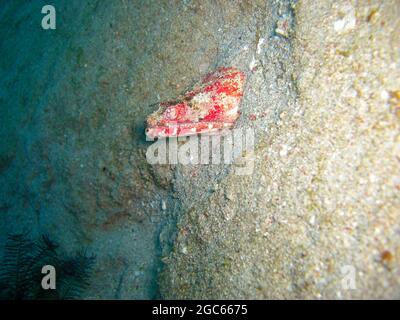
317 216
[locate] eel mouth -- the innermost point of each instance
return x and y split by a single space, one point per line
187 129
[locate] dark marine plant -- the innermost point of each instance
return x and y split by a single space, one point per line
21 269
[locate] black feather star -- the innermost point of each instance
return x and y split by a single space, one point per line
23 260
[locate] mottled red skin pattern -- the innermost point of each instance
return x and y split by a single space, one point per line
210 106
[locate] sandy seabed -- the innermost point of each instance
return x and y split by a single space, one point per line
322 96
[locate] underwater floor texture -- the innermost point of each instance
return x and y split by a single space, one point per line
322 97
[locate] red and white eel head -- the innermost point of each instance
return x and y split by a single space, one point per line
210 106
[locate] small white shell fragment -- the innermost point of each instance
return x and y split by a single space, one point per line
347 22
259 45
253 63
385 95
184 249
163 205
284 151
